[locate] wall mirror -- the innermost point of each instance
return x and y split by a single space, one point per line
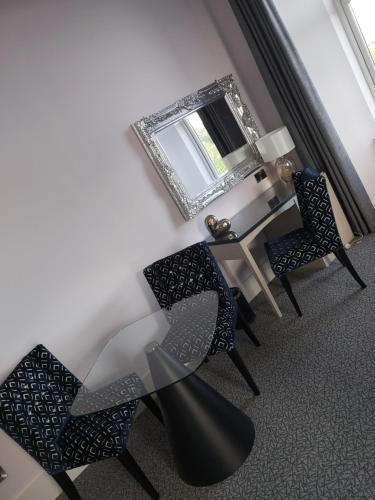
202 145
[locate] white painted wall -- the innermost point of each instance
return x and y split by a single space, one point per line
320 41
82 210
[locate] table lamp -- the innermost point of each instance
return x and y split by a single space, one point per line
274 146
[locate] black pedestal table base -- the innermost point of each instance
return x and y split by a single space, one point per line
210 438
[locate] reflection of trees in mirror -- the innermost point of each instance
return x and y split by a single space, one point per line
208 144
372 50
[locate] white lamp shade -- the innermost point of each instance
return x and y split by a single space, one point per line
275 144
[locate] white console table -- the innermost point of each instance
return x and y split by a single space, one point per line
247 224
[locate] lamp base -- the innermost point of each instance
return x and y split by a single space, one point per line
285 168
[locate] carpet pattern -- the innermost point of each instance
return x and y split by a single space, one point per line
315 417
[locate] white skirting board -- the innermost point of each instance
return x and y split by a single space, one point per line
45 487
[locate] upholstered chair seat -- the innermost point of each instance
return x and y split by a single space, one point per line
293 250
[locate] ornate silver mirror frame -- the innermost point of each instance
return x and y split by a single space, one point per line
147 127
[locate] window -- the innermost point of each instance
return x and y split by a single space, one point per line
359 22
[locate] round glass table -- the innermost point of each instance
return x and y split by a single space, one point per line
210 438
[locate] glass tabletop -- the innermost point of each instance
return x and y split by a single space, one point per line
152 353
256 212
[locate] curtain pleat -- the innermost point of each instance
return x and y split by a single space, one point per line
298 102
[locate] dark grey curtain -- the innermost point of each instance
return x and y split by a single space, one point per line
316 139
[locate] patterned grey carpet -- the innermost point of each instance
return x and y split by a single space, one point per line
315 418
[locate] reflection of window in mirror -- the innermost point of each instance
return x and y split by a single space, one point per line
217 135
207 146
188 160
204 146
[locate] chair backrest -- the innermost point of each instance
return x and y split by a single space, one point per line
189 272
186 273
35 402
316 209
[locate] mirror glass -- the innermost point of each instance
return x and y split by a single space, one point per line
199 145
202 145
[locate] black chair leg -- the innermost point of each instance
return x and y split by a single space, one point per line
241 367
153 407
242 324
133 468
338 257
243 305
341 254
244 313
287 287
67 485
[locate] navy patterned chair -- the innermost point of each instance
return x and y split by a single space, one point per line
317 238
192 271
35 403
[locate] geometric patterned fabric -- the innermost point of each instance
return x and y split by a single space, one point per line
187 273
192 326
319 235
35 403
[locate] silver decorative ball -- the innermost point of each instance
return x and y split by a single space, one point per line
211 222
